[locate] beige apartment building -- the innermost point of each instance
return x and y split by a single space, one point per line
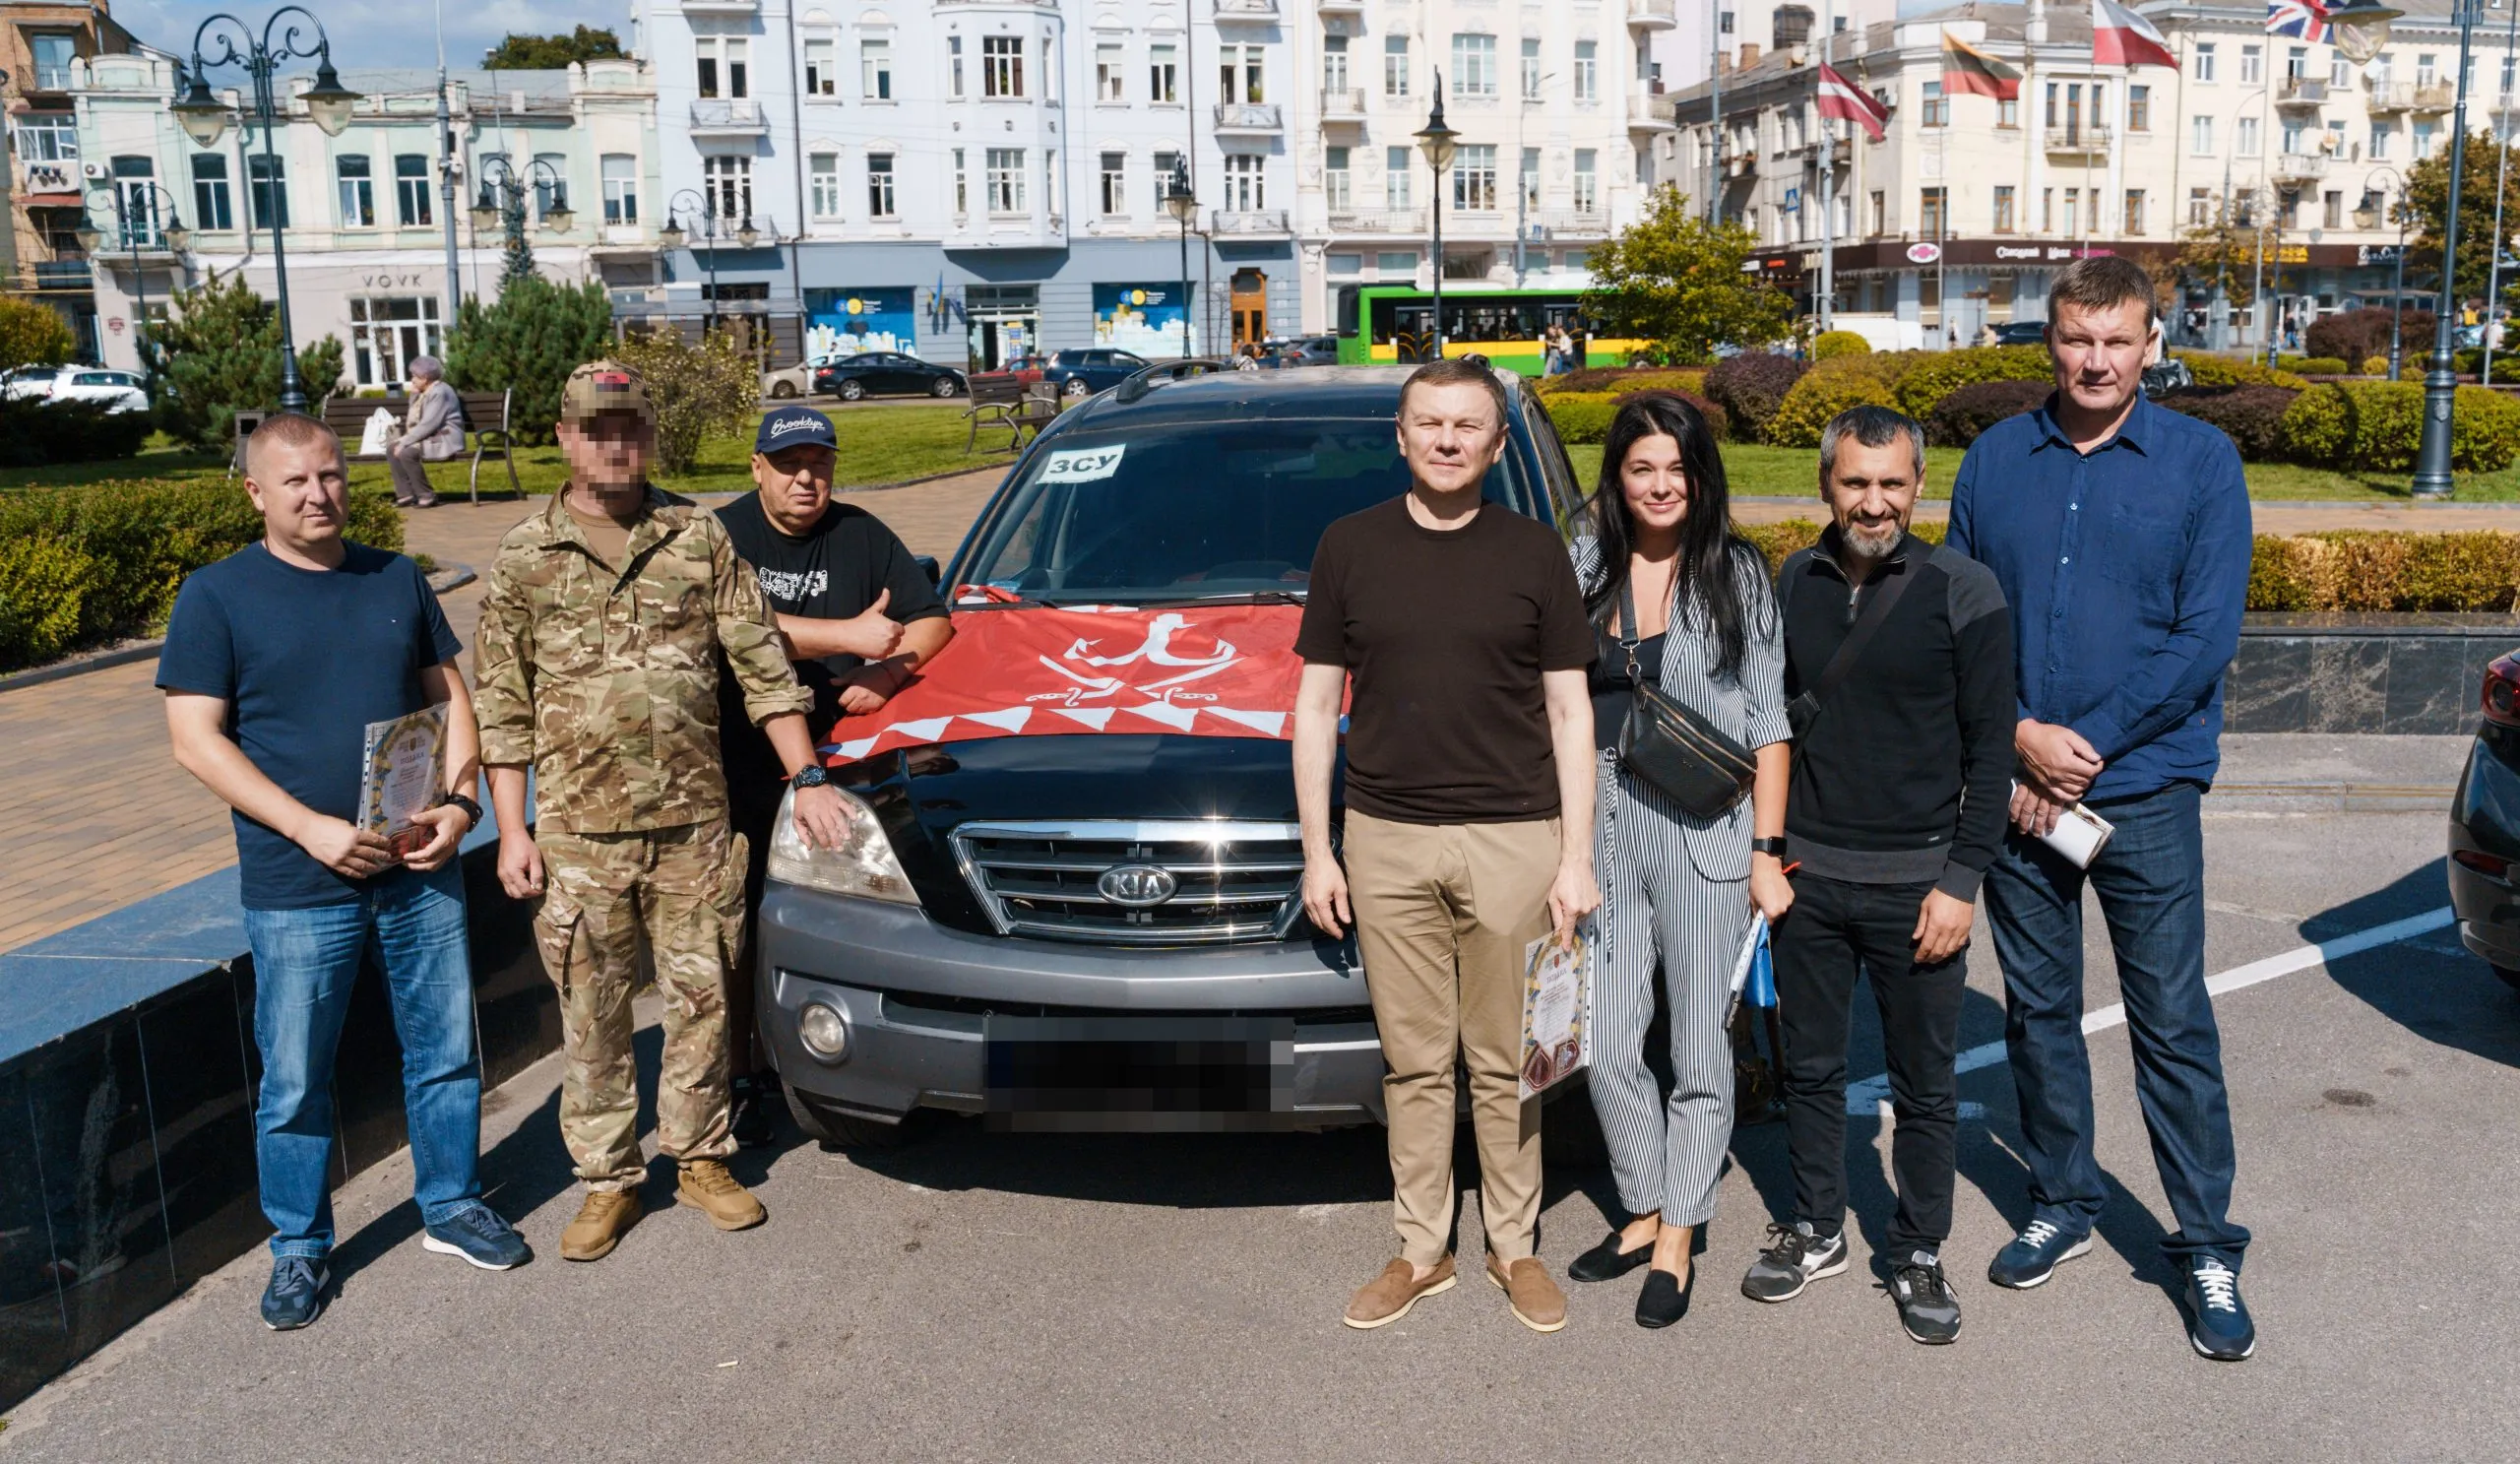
1957 219
40 259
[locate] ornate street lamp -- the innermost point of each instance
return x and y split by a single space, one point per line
2441 378
156 220
1183 205
500 203
204 118
1438 142
2359 28
703 207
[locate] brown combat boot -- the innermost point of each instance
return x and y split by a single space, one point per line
1536 1300
706 1188
601 1222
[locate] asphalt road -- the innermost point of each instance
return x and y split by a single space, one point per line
985 1296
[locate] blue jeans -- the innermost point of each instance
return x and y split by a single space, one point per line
2151 883
305 962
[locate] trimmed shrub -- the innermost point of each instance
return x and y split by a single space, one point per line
1831 343
34 431
1941 373
1750 387
1957 418
43 584
32 335
2321 365
2379 426
527 342
1580 416
2252 417
2222 371
2355 334
1819 396
1717 421
2375 365
1622 380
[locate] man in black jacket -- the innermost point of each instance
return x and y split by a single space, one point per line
1902 776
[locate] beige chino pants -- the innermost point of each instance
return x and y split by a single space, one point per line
1443 914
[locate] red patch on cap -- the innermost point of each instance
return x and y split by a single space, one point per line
612 381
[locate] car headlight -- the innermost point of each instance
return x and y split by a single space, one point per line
863 864
824 1032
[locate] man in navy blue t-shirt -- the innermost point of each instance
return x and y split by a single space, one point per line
278 658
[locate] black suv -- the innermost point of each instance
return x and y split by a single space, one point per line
963 944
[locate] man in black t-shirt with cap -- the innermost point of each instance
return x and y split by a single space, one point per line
858 616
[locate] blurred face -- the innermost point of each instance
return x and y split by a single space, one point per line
1655 486
796 486
303 491
2100 354
608 456
1450 435
1870 492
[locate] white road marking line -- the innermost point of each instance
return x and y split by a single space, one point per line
1872 1094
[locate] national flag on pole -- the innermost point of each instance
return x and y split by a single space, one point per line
1846 101
1965 68
2121 37
2304 19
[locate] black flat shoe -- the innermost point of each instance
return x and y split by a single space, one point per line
1606 1262
1665 1299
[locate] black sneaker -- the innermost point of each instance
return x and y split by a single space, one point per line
756 1100
1793 1260
2219 1325
295 1296
2034 1255
1926 1306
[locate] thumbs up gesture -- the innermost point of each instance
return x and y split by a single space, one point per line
873 634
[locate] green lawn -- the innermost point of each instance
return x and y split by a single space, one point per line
877 445
1759 471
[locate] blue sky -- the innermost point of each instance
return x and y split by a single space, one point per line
381 32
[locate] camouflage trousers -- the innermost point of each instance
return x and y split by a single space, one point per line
681 890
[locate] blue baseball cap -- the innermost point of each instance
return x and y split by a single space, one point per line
793 427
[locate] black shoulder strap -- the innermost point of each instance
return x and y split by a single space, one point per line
1875 610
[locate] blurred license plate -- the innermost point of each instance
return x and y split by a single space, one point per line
1139 1073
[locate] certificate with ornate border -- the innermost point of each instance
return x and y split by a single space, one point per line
404 771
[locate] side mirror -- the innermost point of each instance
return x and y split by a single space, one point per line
936 571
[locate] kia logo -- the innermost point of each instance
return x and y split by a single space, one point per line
1137 885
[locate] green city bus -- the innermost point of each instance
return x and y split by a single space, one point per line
1393 323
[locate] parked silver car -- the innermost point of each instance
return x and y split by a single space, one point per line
117 390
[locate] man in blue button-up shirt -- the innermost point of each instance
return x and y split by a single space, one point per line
2121 533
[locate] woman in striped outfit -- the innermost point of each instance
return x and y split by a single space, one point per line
1676 889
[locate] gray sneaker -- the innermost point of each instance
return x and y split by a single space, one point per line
1793 1260
1926 1306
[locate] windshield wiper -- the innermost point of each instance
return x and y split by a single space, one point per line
1233 597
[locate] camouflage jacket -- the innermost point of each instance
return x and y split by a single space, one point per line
606 685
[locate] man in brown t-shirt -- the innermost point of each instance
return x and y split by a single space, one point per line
1470 813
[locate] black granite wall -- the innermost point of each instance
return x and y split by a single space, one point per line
2363 673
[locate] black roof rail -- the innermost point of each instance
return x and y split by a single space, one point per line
1142 382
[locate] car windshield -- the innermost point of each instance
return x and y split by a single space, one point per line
1191 511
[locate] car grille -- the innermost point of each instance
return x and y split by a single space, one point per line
1234 882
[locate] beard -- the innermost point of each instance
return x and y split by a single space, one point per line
1876 542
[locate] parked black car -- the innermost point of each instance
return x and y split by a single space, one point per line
2022 333
979 923
2485 827
1082 374
878 373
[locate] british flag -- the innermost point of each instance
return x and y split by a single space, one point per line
2304 19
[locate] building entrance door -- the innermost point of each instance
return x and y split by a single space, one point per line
1249 302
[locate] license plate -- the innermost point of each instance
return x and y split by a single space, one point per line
1139 1073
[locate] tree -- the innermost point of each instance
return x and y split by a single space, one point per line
552 53
1674 280
2228 246
2427 191
696 389
32 335
220 341
527 342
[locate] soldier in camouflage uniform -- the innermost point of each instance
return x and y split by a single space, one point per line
598 653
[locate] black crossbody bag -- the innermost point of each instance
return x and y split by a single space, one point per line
1804 709
1690 760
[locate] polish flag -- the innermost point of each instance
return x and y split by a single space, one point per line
1844 101
2121 37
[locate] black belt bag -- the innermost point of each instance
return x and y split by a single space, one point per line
1688 759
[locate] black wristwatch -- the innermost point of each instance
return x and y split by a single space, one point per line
471 810
811 775
1774 848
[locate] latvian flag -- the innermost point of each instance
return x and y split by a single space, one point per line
2304 19
2121 37
1846 101
1965 68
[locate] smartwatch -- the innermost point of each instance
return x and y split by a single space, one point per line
1774 848
471 810
811 775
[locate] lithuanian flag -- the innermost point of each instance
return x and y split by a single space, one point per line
1965 68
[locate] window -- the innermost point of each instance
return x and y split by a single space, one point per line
411 189
1474 65
1050 181
823 169
1005 179
1110 60
554 194
1334 180
1395 66
1397 261
358 191
2135 211
2382 133
1334 63
2205 61
2340 72
2291 135
137 199
1528 179
2428 69
822 68
2047 210
2332 209
1929 220
2296 63
212 208
1880 212
1938 107
387 332
1475 177
2003 209
1003 67
2139 108
879 186
1240 73
620 173
875 68
2507 68
2200 136
1588 71
953 67
48 138
52 57
2252 65
1531 71
1163 72
2073 209
2009 112
1164 163
2425 132
1344 264
1587 181
1243 190
962 186
729 184
2244 137
1396 168
1116 184
267 184
2200 207
724 71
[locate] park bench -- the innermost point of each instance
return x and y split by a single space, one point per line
1009 405
485 413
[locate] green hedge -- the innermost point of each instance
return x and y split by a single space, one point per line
81 566
2377 425
1585 417
1938 375
35 432
2321 365
2222 371
1821 394
1591 379
1829 345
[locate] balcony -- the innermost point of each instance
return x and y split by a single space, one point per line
1247 11
1397 221
727 116
1343 104
2298 167
1650 115
1248 118
1573 223
2389 97
1652 15
2078 142
2439 96
63 273
1248 222
48 177
1741 164
2302 90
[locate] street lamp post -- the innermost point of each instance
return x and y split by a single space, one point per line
2367 218
2441 379
2222 295
704 207
1183 205
153 225
499 181
204 118
1439 143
